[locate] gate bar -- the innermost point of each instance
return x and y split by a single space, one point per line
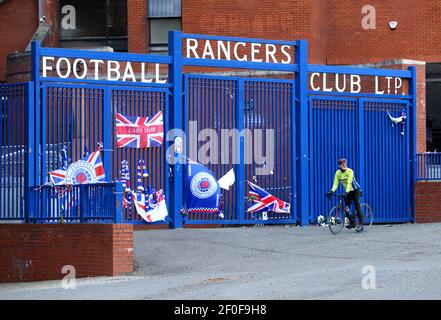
302 159
175 75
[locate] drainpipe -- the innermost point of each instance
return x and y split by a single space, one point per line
41 9
43 28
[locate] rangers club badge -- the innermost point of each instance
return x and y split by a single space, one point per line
203 185
81 172
90 169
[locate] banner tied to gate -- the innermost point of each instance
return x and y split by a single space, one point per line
139 132
89 169
150 206
203 191
265 202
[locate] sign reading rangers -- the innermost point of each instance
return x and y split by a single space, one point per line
89 169
139 132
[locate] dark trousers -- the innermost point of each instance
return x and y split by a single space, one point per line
354 197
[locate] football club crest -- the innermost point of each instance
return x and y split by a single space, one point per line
81 172
203 185
203 191
89 169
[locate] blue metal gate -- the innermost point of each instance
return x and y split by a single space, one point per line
360 131
140 101
76 116
252 108
16 105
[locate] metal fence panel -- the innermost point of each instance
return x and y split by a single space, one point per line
235 107
360 130
211 103
387 182
86 203
139 102
333 125
14 102
268 111
75 116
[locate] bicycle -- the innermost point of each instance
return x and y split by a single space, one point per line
338 216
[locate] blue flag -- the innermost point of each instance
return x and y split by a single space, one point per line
203 191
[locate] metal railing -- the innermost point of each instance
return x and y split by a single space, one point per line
85 203
428 166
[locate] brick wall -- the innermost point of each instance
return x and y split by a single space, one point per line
18 22
36 252
427 201
19 67
333 28
416 36
137 26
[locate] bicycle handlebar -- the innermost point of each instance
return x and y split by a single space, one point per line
340 196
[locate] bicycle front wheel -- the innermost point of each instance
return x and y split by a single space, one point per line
368 214
336 219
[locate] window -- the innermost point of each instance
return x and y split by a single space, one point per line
98 23
164 16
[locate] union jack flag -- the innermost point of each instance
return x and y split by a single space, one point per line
265 201
139 132
78 174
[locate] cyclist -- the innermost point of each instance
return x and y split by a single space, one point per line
345 176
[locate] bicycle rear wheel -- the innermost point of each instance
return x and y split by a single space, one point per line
368 214
336 219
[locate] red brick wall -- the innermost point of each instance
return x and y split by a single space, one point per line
35 252
18 22
285 20
421 125
137 26
19 68
416 36
427 201
333 28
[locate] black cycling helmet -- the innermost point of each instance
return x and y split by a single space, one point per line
341 161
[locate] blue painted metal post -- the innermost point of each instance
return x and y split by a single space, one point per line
30 153
240 168
302 163
119 212
84 202
34 130
176 112
107 131
412 134
361 143
312 157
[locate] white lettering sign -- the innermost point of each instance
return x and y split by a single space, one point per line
94 69
239 51
352 83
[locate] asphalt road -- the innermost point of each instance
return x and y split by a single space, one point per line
385 262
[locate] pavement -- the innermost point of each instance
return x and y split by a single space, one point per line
272 262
